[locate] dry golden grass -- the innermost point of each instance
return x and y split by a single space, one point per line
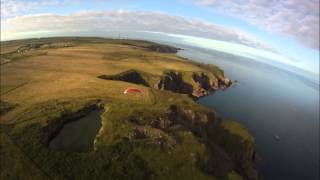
72 72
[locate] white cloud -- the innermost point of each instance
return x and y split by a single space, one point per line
296 18
236 49
11 8
121 20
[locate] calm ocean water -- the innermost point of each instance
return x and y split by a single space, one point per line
272 103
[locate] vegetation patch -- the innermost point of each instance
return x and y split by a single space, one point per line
160 133
54 126
132 76
5 107
10 57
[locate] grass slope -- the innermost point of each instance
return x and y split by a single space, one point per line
48 81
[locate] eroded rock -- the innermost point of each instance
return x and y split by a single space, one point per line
173 81
131 76
201 86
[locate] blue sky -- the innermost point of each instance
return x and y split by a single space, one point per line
288 27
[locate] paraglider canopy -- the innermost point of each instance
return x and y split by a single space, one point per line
132 90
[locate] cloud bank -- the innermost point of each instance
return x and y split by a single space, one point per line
24 26
235 49
10 8
296 18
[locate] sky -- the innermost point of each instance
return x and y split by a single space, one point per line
282 30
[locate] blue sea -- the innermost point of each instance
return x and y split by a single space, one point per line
278 104
279 107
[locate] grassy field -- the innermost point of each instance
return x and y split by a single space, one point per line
49 80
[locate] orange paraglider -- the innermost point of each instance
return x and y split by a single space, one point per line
132 90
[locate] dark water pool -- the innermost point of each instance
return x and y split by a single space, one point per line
78 135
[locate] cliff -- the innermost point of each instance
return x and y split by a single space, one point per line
160 133
227 145
150 46
195 84
228 148
131 76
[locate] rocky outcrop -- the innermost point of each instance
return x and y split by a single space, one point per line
239 145
227 151
202 83
246 159
151 46
163 48
224 83
131 76
235 151
199 84
195 121
156 135
173 81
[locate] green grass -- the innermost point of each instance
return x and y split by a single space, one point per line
63 81
234 176
15 163
27 134
115 153
237 129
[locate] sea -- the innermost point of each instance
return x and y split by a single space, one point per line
280 108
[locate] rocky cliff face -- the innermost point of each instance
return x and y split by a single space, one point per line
187 119
201 84
235 151
161 48
226 151
131 76
198 84
173 81
240 149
